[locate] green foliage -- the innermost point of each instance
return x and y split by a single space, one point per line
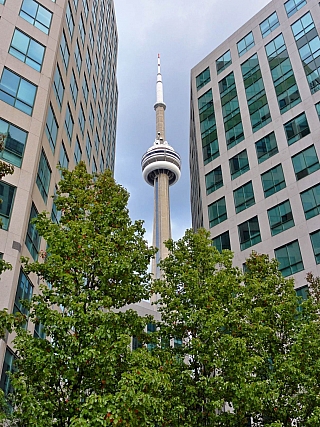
96 263
244 339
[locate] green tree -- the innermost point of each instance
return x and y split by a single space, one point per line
241 336
85 373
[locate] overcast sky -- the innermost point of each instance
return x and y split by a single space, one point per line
183 32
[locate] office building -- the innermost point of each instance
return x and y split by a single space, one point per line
58 105
254 139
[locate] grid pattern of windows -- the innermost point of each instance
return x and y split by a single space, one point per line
24 293
81 119
27 50
43 177
255 93
208 128
63 157
16 91
305 162
14 143
36 14
7 193
64 50
32 237
222 241
81 30
223 62
273 181
51 128
203 78
243 197
266 147
289 257
73 88
58 87
245 44
308 44
297 128
239 164
292 6
68 123
311 201
69 19
280 217
282 74
217 212
214 180
269 24
231 111
77 152
249 233
315 241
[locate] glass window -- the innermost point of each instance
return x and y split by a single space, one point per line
85 8
214 180
68 123
266 147
318 109
27 50
39 331
14 140
273 181
223 62
7 193
36 14
245 44
96 141
101 162
43 177
63 157
51 128
91 117
24 293
249 233
280 218
289 257
74 88
77 152
239 164
88 62
302 26
315 240
85 88
203 78
16 91
311 201
94 166
305 162
88 148
243 197
81 30
217 212
269 24
81 119
94 90
58 87
8 367
55 214
32 237
222 241
69 19
64 50
297 128
91 38
77 56
292 6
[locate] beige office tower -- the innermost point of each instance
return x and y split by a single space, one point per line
254 139
160 168
58 105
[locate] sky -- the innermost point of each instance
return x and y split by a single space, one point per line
183 32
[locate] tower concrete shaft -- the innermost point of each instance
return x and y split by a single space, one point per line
161 168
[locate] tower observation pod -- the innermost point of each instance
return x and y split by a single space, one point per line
160 168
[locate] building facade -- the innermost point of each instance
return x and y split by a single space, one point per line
254 139
58 105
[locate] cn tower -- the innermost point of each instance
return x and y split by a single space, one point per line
160 168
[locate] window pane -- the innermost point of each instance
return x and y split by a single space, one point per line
7 193
14 143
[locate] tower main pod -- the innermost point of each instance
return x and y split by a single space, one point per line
160 168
